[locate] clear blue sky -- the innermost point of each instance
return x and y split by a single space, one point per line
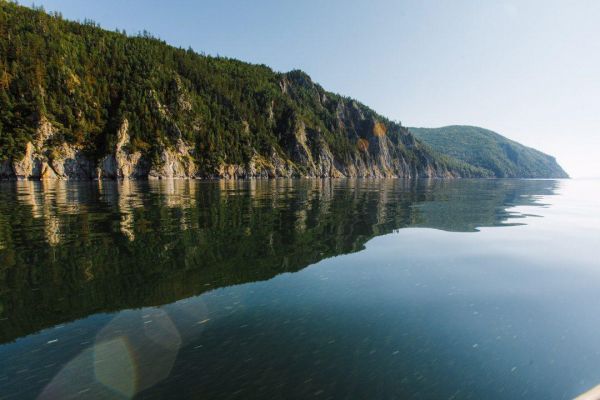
527 69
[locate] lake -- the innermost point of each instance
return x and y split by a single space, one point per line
325 289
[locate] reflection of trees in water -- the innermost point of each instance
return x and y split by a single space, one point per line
68 250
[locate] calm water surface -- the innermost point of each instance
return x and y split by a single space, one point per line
389 289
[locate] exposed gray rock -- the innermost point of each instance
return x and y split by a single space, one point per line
41 162
175 163
30 166
70 163
123 164
377 156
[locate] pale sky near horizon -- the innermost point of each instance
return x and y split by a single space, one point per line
527 69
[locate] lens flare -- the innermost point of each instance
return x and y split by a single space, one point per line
114 366
151 342
134 352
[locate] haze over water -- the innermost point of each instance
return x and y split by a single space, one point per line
300 288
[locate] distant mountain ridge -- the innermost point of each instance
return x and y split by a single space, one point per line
486 149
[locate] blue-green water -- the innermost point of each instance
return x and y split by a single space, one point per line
389 289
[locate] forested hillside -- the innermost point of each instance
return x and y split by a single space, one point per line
77 101
504 158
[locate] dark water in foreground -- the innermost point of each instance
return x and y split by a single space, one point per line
466 289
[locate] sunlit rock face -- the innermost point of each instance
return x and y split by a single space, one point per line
123 163
175 163
376 155
43 161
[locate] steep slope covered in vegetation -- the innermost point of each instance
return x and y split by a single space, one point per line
486 149
80 102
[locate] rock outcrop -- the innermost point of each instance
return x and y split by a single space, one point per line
175 163
70 162
42 161
309 156
122 163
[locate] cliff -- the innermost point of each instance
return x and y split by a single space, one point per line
80 102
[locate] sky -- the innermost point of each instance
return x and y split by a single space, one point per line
527 69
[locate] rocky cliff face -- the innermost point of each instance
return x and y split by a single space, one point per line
121 163
307 155
70 163
41 161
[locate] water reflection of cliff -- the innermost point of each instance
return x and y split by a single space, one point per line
68 250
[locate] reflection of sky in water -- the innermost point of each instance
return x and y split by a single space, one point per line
504 313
